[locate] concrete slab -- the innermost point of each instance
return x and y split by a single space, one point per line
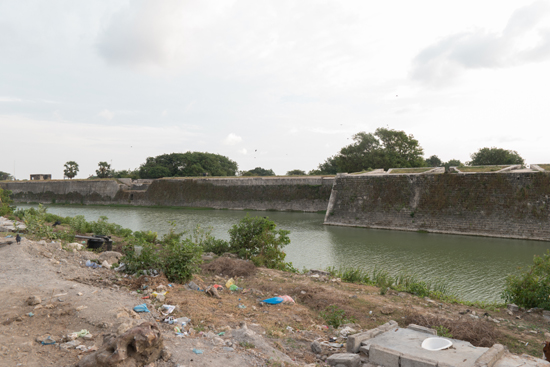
408 342
344 359
512 360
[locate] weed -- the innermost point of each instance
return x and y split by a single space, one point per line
442 331
335 316
247 345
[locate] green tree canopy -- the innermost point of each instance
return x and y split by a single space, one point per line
494 156
5 176
386 148
133 174
296 172
434 161
187 164
259 171
71 169
104 170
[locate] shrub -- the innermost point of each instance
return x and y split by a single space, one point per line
217 246
530 288
181 260
335 316
5 202
256 239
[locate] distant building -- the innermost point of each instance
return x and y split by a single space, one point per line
41 177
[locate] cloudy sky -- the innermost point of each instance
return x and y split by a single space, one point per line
277 84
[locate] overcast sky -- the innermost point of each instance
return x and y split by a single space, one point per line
277 84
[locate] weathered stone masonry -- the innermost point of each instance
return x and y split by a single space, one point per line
513 205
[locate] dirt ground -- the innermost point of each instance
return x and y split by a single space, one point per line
233 330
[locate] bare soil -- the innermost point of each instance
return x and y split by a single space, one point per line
75 297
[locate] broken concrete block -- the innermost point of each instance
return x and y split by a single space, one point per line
346 359
512 307
383 356
414 361
422 329
354 341
491 356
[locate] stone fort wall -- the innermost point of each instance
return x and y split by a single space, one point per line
512 205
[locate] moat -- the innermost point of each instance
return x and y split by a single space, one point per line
473 267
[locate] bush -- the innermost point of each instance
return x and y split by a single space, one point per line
219 247
256 239
335 316
531 288
5 202
181 260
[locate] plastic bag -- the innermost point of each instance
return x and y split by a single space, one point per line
229 283
141 308
273 301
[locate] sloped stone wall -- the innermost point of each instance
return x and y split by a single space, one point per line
513 205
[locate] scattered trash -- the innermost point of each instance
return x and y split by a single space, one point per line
82 332
229 283
48 341
277 300
141 308
290 328
218 287
197 351
177 330
336 345
228 349
170 285
222 333
241 305
233 287
30 314
193 286
169 309
92 264
332 339
146 297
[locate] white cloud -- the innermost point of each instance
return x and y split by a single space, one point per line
9 99
232 139
164 113
243 151
525 39
106 114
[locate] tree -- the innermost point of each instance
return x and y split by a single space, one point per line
433 161
452 163
5 202
187 164
495 156
104 170
71 169
4 176
296 172
386 148
126 173
259 171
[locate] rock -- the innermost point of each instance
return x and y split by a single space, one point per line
316 347
386 310
318 272
139 346
70 345
512 307
105 264
79 294
75 246
111 257
546 315
211 291
47 254
33 300
42 242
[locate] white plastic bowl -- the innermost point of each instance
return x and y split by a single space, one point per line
436 344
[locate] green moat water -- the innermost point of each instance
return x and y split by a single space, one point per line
473 267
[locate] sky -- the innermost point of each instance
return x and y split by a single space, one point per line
276 84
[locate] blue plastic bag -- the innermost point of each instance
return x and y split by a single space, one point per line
141 308
273 301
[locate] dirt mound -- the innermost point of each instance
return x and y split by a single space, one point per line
230 267
478 332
